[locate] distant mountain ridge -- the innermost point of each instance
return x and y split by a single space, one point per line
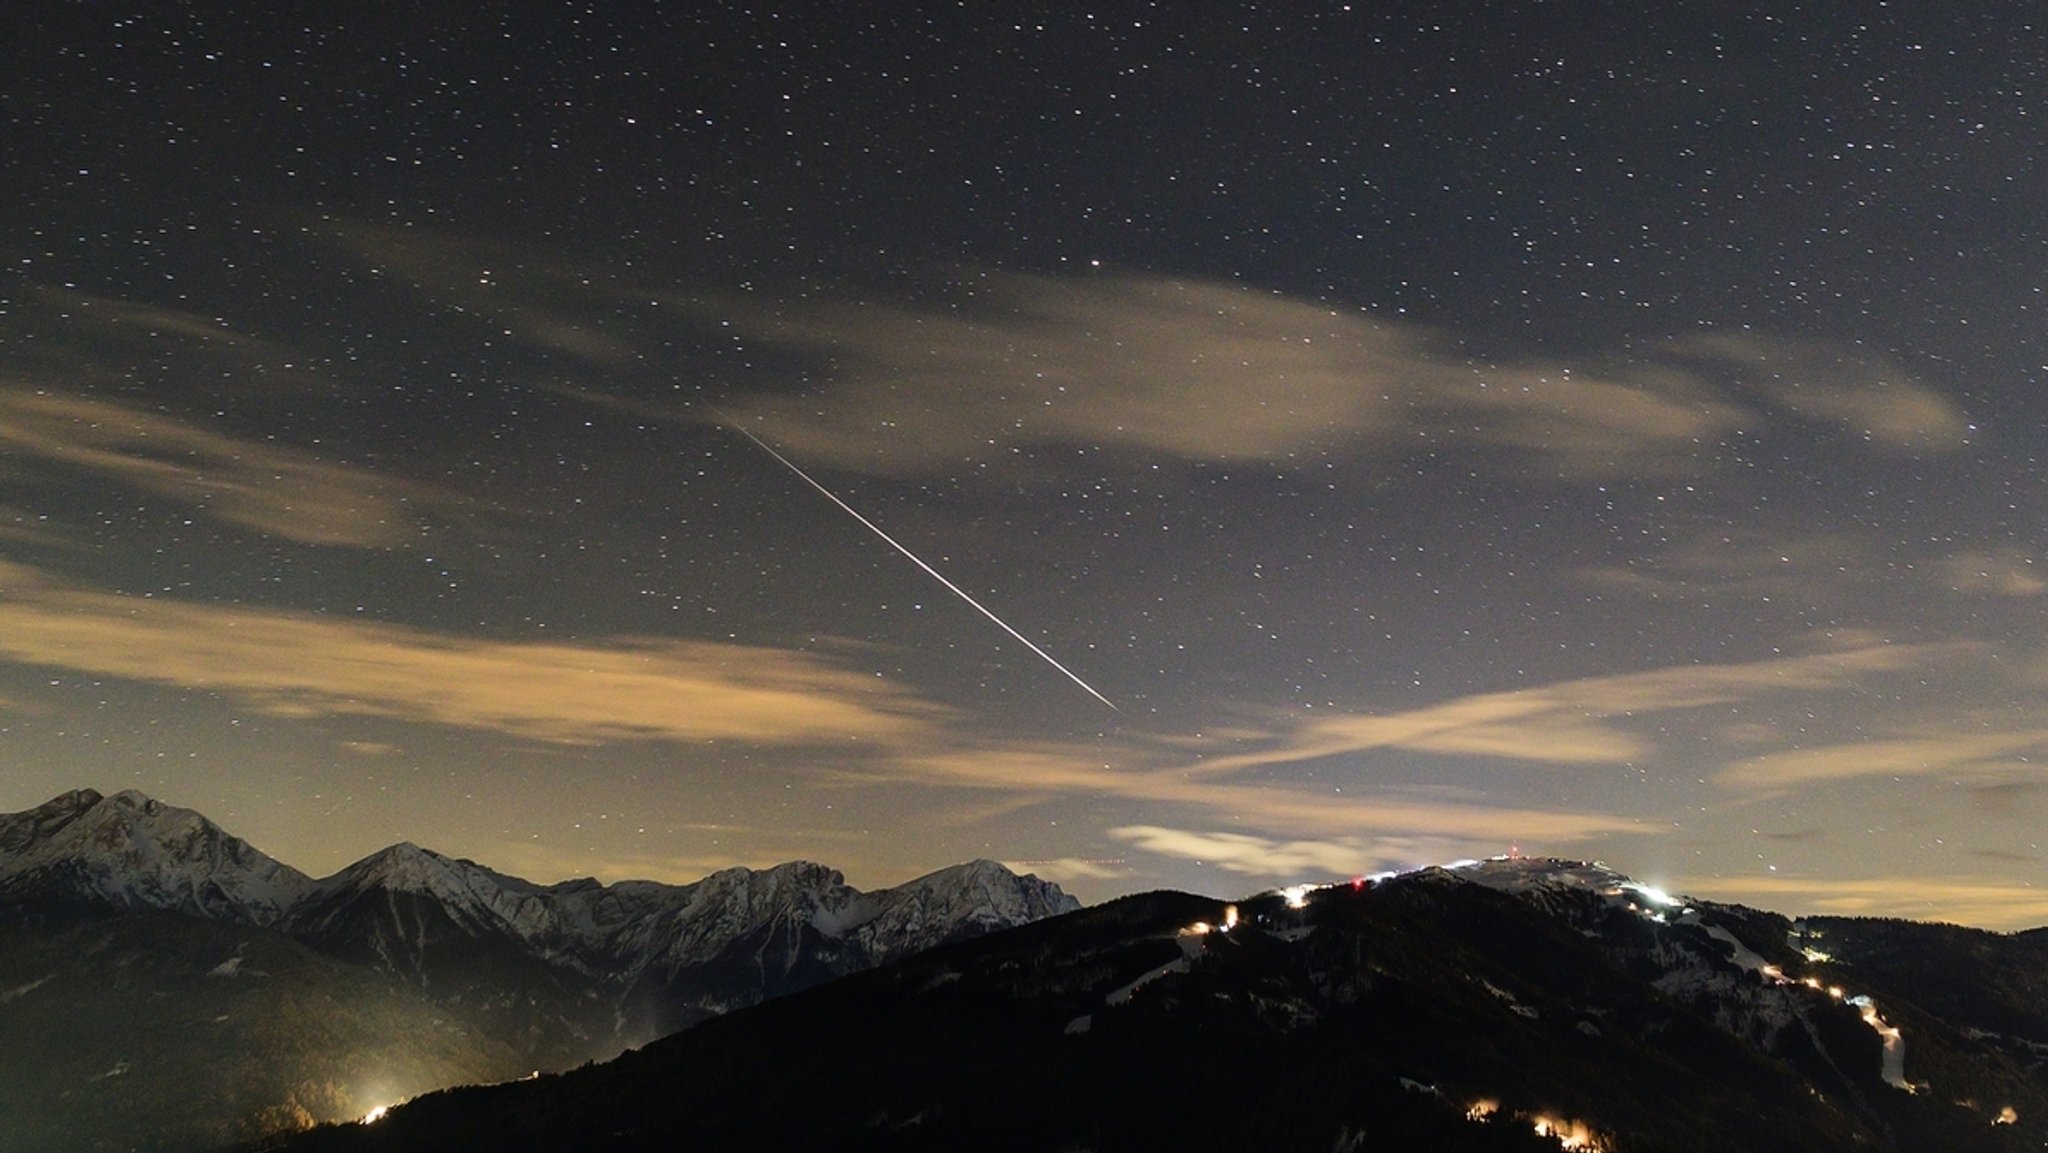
1504 1005
546 976
129 851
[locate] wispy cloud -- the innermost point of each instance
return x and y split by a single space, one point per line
1566 725
91 338
285 492
1128 774
1959 753
1178 368
575 313
1816 564
1190 370
1752 561
311 665
19 526
1068 869
1586 721
298 664
2008 572
1870 398
1202 371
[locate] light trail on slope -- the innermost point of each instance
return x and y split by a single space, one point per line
935 574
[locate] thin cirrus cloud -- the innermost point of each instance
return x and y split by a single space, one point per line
307 665
1590 721
552 306
1071 869
1845 570
284 492
296 664
1128 774
2008 573
1185 369
1574 722
1869 398
87 336
1201 371
1724 560
1949 753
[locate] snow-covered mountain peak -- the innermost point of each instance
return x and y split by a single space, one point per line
404 866
1519 874
473 895
955 902
1555 884
131 851
662 953
20 831
787 875
991 885
751 895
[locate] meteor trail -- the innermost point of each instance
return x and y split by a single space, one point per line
916 560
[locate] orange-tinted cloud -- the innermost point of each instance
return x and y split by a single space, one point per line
299 664
1069 869
1058 770
1949 753
2009 573
1572 722
1184 368
1196 371
285 492
1873 400
1206 371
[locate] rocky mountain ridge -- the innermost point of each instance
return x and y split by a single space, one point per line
499 976
130 851
1511 1004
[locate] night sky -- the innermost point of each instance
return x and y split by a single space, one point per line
1603 430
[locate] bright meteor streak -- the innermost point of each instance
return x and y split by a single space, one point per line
919 562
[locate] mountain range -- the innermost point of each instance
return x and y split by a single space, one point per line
1510 1004
164 985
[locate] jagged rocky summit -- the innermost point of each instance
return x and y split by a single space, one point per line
404 971
397 906
129 851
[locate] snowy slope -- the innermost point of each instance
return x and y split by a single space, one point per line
1692 952
130 852
1490 1006
579 969
623 929
964 900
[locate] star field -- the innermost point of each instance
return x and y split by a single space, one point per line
1601 431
